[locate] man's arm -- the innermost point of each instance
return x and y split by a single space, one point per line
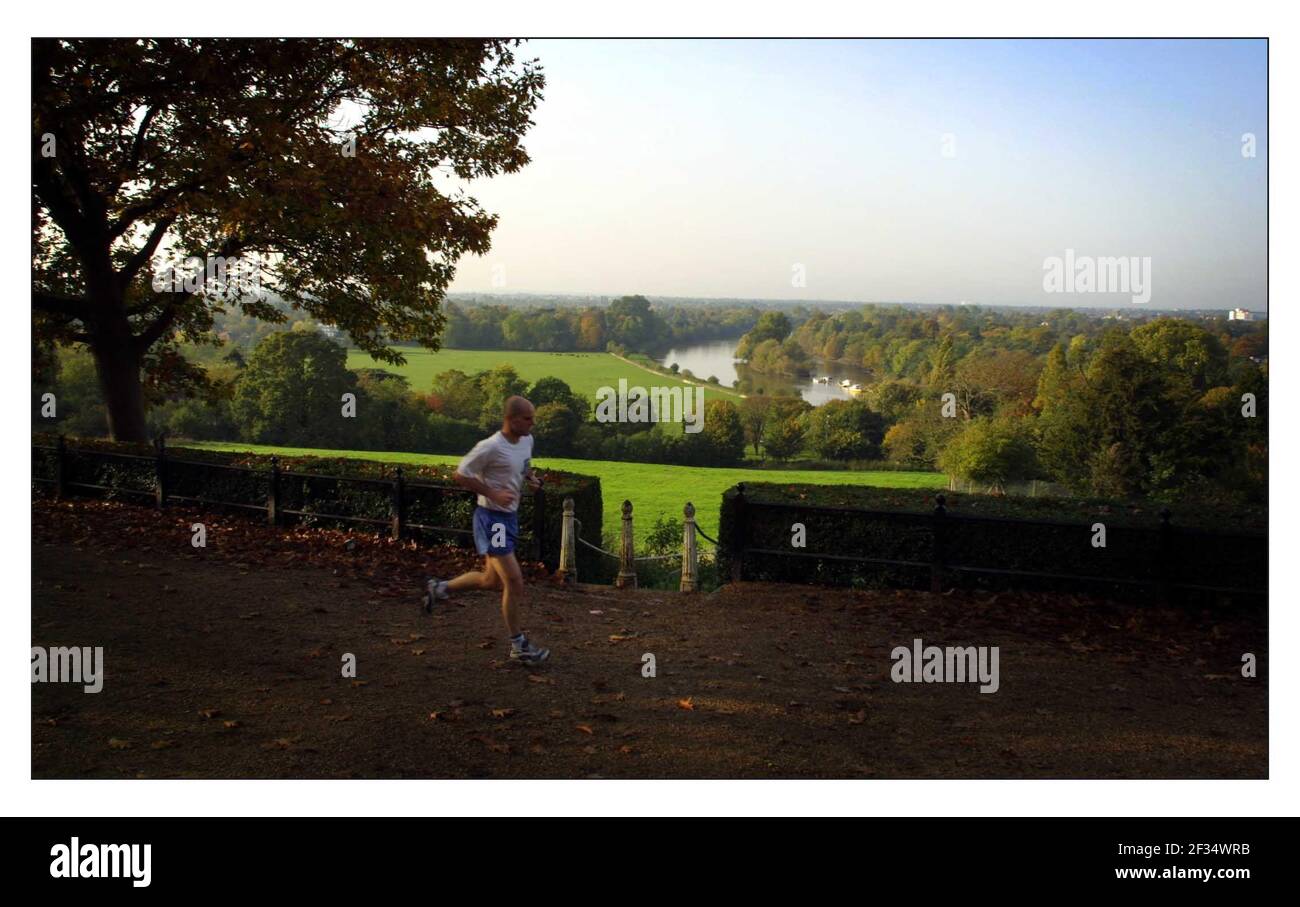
531 475
501 496
471 467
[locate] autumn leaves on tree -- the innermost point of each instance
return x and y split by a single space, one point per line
331 170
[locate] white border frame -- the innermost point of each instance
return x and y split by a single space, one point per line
22 796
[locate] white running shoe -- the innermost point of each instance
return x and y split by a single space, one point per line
434 590
528 653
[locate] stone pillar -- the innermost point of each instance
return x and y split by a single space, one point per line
690 553
568 570
626 556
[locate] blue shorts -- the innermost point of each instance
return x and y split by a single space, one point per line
495 526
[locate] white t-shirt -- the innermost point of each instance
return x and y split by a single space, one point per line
497 463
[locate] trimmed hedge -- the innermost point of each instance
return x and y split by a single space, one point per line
1043 536
322 485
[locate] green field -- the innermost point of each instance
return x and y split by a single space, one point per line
653 489
583 372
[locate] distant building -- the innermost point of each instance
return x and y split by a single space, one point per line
1240 315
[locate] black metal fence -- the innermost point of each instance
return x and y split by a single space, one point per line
939 550
393 504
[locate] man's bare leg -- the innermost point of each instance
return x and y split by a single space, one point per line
475 579
485 579
511 578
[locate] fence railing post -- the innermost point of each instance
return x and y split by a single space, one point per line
160 478
399 504
742 528
61 469
539 524
690 552
936 557
273 494
626 578
568 570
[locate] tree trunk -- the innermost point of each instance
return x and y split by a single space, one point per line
119 380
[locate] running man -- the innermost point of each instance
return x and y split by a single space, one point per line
495 470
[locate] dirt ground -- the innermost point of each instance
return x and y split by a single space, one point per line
225 662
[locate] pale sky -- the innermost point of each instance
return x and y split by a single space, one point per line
919 171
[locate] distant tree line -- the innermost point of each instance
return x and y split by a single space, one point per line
628 323
901 343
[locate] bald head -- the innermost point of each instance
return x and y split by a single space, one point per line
517 420
516 406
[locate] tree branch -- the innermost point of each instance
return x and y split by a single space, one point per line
132 213
142 256
146 338
63 209
63 306
92 203
137 146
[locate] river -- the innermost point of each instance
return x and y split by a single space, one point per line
715 358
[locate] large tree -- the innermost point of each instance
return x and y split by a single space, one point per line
334 168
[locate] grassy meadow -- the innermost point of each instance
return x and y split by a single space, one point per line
583 372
